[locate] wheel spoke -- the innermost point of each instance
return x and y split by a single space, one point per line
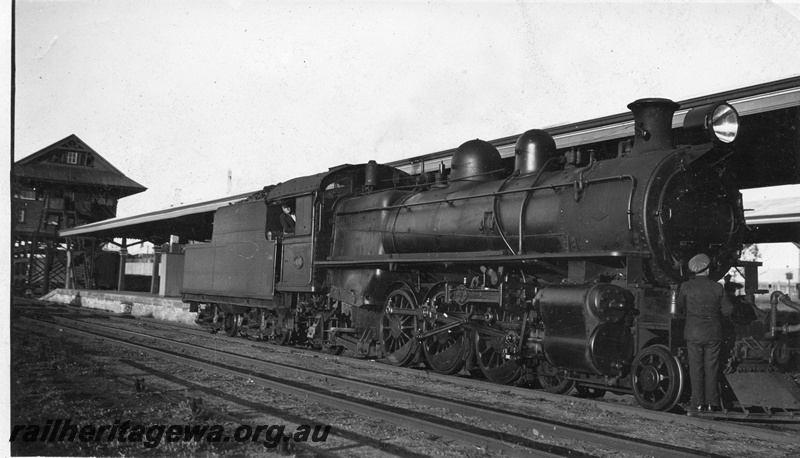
397 331
444 352
657 383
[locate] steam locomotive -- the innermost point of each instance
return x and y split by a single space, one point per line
561 269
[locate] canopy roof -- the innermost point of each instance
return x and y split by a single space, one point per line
772 220
194 222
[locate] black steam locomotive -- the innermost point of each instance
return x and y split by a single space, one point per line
560 269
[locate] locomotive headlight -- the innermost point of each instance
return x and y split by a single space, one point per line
716 122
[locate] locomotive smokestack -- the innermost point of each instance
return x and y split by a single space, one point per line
653 124
371 175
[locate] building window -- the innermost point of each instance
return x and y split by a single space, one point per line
72 157
20 215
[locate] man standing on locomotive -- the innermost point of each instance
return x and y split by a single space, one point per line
287 219
703 302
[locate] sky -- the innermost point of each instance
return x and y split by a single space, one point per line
178 94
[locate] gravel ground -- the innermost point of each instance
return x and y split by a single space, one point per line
67 377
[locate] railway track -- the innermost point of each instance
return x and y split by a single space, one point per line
765 426
222 405
485 439
504 443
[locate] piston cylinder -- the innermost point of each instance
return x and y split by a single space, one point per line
586 327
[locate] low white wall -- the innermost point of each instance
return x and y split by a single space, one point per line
167 309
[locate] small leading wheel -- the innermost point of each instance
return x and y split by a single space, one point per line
327 345
276 330
398 330
334 350
590 392
553 380
496 367
231 324
284 337
445 351
657 378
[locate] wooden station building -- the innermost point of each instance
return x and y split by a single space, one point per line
64 185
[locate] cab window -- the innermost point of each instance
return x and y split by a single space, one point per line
297 221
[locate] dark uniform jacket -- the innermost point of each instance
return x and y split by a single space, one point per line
703 301
287 223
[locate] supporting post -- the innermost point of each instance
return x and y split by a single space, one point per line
68 280
48 265
123 253
155 279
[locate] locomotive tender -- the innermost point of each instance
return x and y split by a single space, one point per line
562 269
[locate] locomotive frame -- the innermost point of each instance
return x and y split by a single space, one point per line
562 272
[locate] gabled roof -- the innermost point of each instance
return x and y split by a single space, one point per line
101 174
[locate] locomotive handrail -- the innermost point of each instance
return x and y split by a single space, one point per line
470 256
394 222
500 193
496 194
494 211
630 195
522 207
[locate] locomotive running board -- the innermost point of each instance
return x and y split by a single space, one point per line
471 256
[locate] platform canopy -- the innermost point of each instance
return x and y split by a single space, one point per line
757 161
772 214
189 222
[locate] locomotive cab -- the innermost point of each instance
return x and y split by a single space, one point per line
296 246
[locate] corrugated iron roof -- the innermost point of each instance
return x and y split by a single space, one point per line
194 221
747 101
773 210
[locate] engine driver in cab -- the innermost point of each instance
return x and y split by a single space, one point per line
287 219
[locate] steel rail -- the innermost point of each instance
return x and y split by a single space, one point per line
720 426
555 429
357 439
486 439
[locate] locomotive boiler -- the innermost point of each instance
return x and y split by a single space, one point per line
543 270
560 268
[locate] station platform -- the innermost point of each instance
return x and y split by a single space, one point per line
125 302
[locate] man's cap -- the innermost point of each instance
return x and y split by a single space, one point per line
699 263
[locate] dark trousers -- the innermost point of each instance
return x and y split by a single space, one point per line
703 368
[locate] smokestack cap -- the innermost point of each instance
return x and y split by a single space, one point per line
652 124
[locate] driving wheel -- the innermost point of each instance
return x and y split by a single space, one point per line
445 351
398 329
